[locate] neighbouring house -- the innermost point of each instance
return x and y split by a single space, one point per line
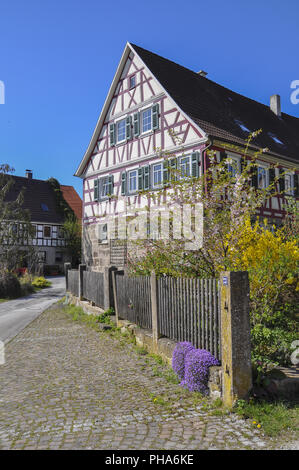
153 100
47 218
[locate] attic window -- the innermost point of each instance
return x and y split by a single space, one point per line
132 81
243 127
44 207
273 137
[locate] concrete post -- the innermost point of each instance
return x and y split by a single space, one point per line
67 266
154 301
113 274
82 268
235 336
108 289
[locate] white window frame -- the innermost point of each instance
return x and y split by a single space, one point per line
158 185
141 120
289 192
237 160
101 229
104 185
266 168
135 170
118 141
185 157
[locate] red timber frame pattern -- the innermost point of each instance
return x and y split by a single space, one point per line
124 101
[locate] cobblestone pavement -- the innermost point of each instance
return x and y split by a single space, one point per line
66 386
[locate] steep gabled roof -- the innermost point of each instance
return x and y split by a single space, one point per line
73 199
221 112
39 199
215 110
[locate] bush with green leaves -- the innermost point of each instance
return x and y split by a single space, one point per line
10 287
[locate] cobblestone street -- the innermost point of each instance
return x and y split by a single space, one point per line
66 386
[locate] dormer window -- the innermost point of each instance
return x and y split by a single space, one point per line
132 81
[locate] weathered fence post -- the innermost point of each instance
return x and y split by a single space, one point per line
82 268
108 291
67 266
154 301
235 336
113 274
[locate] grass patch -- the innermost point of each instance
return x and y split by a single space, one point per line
272 418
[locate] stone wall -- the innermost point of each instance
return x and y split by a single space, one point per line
96 256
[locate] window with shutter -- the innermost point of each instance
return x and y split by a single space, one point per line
146 120
133 177
121 130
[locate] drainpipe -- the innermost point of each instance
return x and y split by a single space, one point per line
203 153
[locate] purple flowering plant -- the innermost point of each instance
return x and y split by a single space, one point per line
178 357
192 366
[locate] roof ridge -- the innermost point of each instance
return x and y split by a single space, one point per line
201 78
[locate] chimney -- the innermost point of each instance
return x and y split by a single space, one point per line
202 73
28 174
275 104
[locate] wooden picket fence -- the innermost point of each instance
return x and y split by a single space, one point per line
73 281
188 309
134 299
93 287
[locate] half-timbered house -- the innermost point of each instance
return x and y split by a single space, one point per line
151 103
48 240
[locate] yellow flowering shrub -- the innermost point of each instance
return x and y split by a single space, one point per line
270 259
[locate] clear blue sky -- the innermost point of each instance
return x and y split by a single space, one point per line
58 58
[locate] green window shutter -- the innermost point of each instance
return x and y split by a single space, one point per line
272 177
243 163
136 124
112 134
146 181
111 184
223 155
254 181
129 127
155 116
123 183
165 172
173 164
281 181
195 165
96 190
140 178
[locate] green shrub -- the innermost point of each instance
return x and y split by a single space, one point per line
41 282
9 286
272 345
